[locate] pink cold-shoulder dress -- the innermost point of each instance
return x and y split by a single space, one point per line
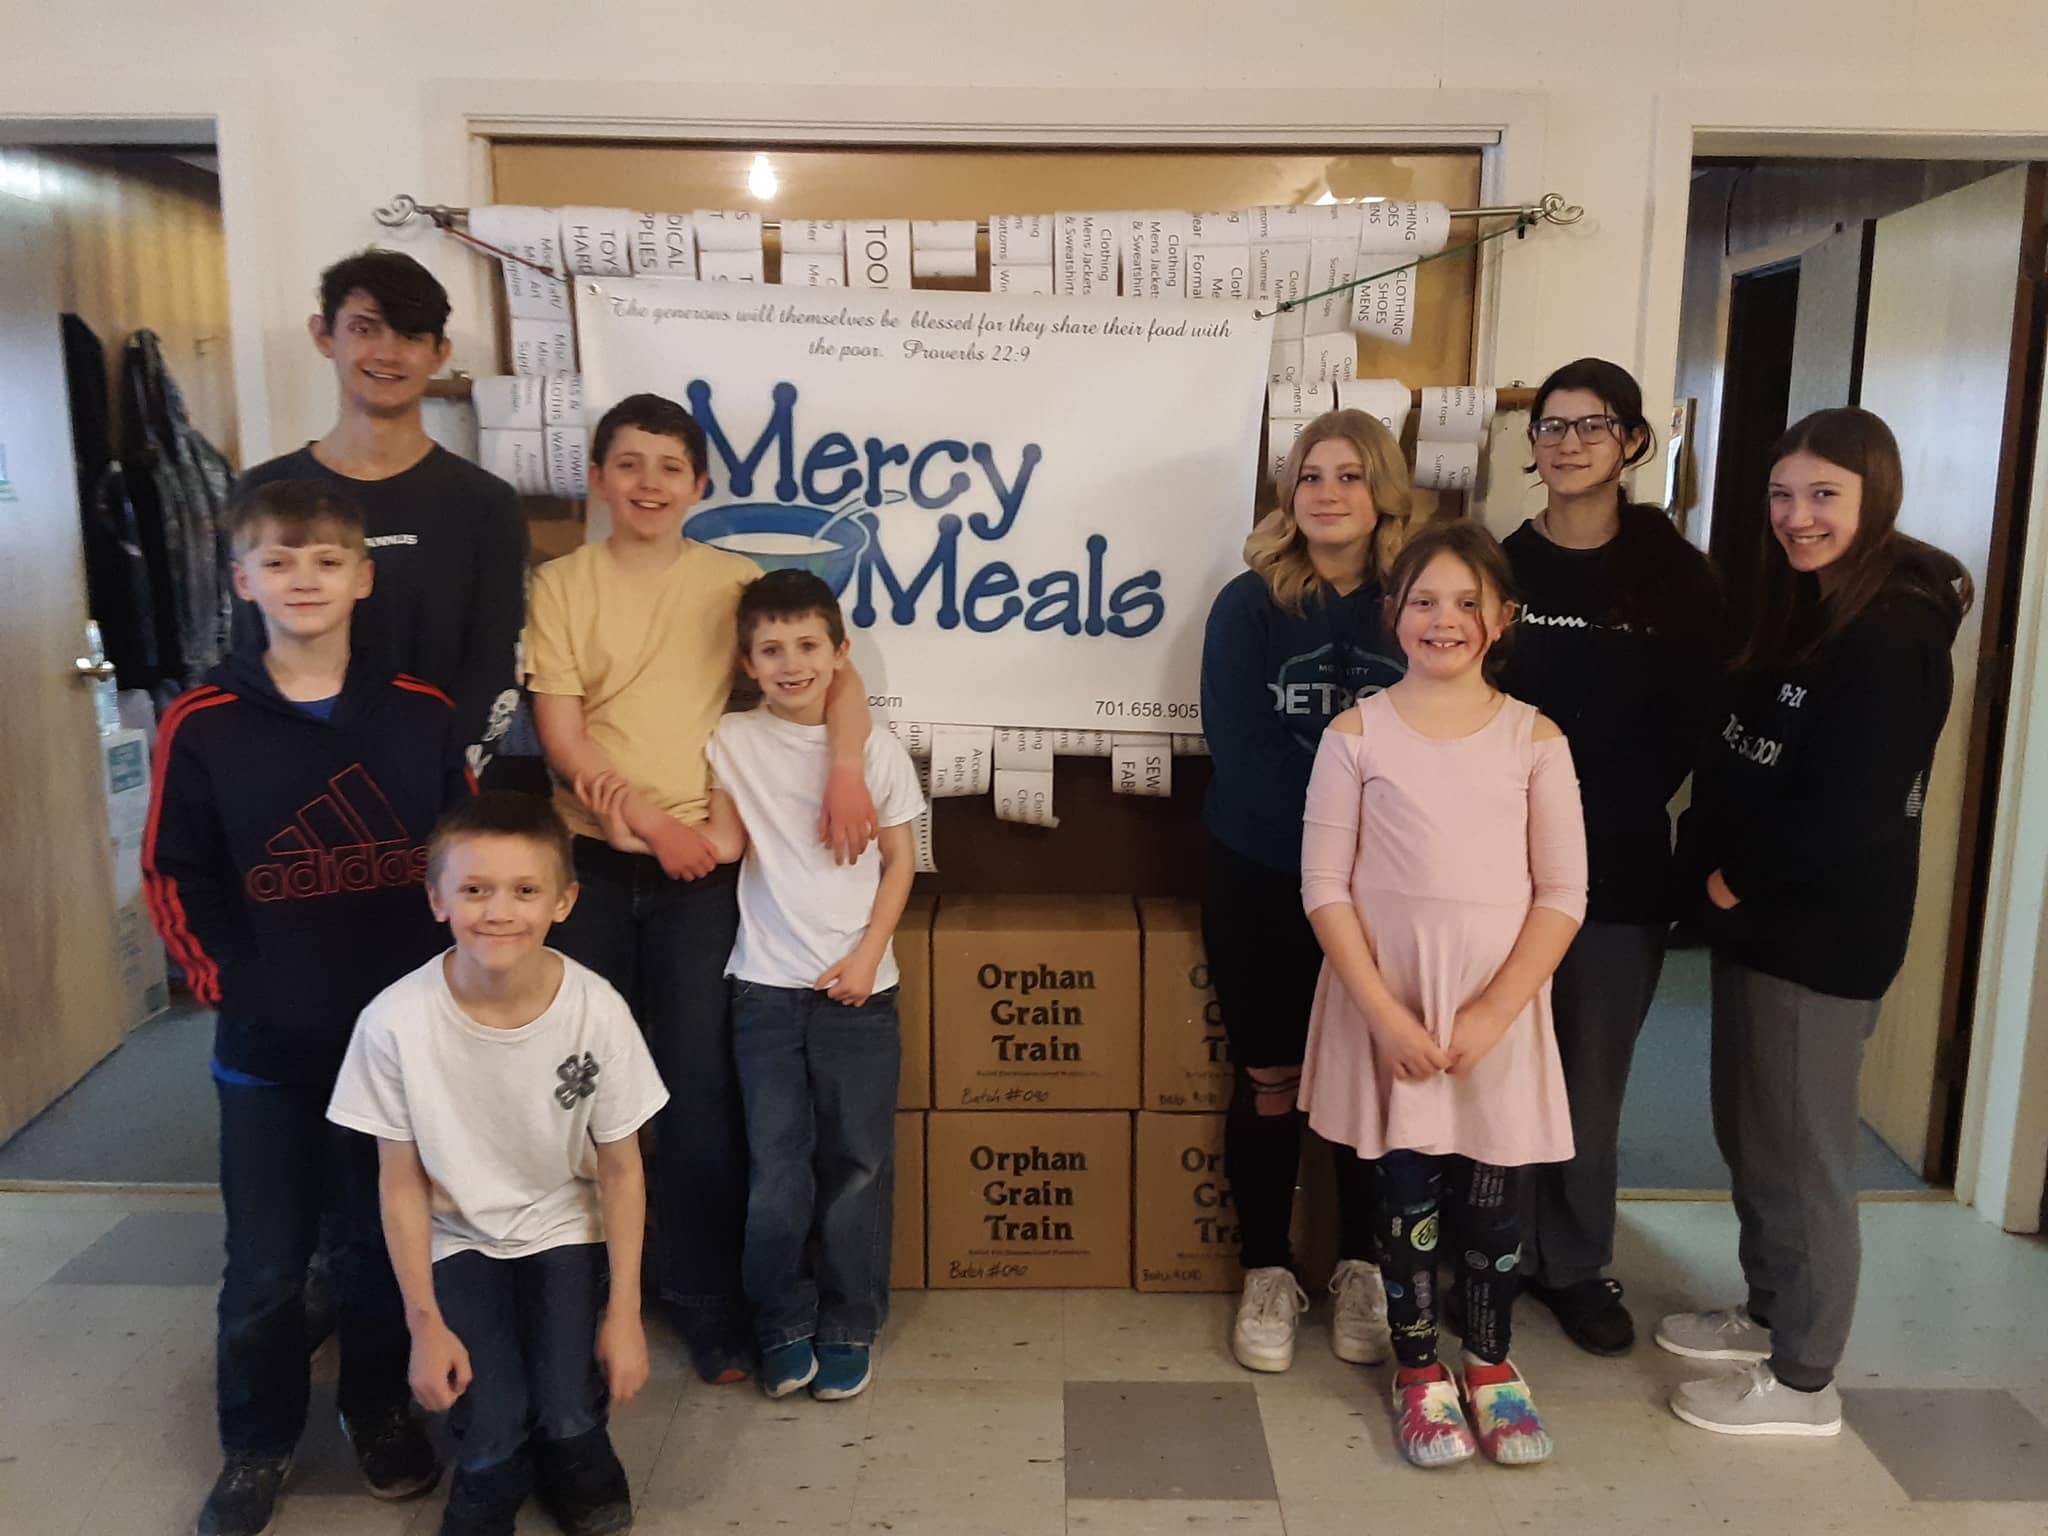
1443 847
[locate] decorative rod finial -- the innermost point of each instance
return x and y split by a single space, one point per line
1555 210
399 212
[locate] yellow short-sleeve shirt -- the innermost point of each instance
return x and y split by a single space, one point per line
651 655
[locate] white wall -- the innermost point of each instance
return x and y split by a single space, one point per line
324 112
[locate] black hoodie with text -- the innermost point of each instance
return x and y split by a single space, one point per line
284 854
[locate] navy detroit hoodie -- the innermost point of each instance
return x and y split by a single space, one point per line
284 854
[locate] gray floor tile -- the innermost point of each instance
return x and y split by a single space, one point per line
1953 1442
1166 1440
152 1248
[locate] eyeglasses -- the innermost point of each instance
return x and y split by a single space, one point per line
1550 430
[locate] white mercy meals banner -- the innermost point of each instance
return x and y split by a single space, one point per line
1025 504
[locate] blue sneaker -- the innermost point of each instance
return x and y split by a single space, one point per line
786 1367
844 1370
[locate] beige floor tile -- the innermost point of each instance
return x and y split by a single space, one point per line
1128 1336
973 1335
1323 1448
924 1511
1971 1519
353 1514
730 1446
38 1239
944 1442
1173 1517
49 1476
1604 1512
64 1350
1457 1507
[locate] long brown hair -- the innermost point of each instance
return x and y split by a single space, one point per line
1466 539
1793 619
1276 549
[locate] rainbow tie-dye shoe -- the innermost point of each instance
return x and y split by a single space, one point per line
1432 1430
1505 1421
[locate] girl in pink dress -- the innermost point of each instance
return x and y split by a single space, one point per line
1444 871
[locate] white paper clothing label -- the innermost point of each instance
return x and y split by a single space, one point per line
1287 363
921 837
1281 431
1023 747
878 253
1082 743
1230 226
1025 795
1385 307
916 736
814 237
940 263
1391 226
1332 263
1219 271
806 271
733 266
1160 253
727 230
1020 239
1331 221
568 469
1457 414
1142 765
664 245
561 400
536 234
1388 399
1328 359
1446 466
1304 398
1190 746
1019 279
1084 254
942 234
1280 276
963 757
517 458
1279 221
507 401
598 242
543 346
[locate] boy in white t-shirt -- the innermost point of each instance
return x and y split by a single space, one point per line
505 1084
814 999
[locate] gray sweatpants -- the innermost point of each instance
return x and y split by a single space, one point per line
1785 1064
1598 999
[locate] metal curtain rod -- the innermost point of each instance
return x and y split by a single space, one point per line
1551 209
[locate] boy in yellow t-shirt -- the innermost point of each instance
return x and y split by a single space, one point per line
630 659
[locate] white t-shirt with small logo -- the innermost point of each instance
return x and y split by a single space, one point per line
800 913
506 1120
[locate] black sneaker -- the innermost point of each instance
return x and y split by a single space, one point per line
244 1497
396 1458
487 1503
580 1482
1591 1314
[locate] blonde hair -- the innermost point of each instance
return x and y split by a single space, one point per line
1276 549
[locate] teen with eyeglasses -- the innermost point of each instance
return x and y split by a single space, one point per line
1618 642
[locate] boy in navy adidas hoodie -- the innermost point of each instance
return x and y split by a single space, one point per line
294 795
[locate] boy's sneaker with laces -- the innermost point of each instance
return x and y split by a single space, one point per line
1755 1402
580 1483
1268 1317
1504 1419
787 1368
244 1497
396 1458
844 1370
1431 1430
1591 1314
1358 1322
1728 1334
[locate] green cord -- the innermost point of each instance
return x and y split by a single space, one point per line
1522 222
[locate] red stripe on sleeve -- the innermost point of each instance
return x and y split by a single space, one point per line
159 889
413 685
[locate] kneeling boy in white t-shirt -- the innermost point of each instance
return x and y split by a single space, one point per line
505 1084
813 999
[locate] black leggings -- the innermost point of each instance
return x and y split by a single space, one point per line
1483 1220
1263 961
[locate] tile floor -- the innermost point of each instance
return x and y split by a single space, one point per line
1093 1413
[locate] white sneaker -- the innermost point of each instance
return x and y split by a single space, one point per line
1730 1334
1268 1314
1358 1324
1755 1402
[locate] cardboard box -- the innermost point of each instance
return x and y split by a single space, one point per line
1186 1236
1035 1003
906 1251
1027 1200
913 947
138 952
1187 1058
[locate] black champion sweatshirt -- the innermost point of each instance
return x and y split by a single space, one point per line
450 596
1808 801
283 856
1622 647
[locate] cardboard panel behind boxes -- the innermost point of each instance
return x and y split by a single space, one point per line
913 950
1185 1230
906 1251
1026 1200
1187 1059
1035 1003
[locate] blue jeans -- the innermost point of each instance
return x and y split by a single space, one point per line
664 943
819 1080
530 1326
282 1165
